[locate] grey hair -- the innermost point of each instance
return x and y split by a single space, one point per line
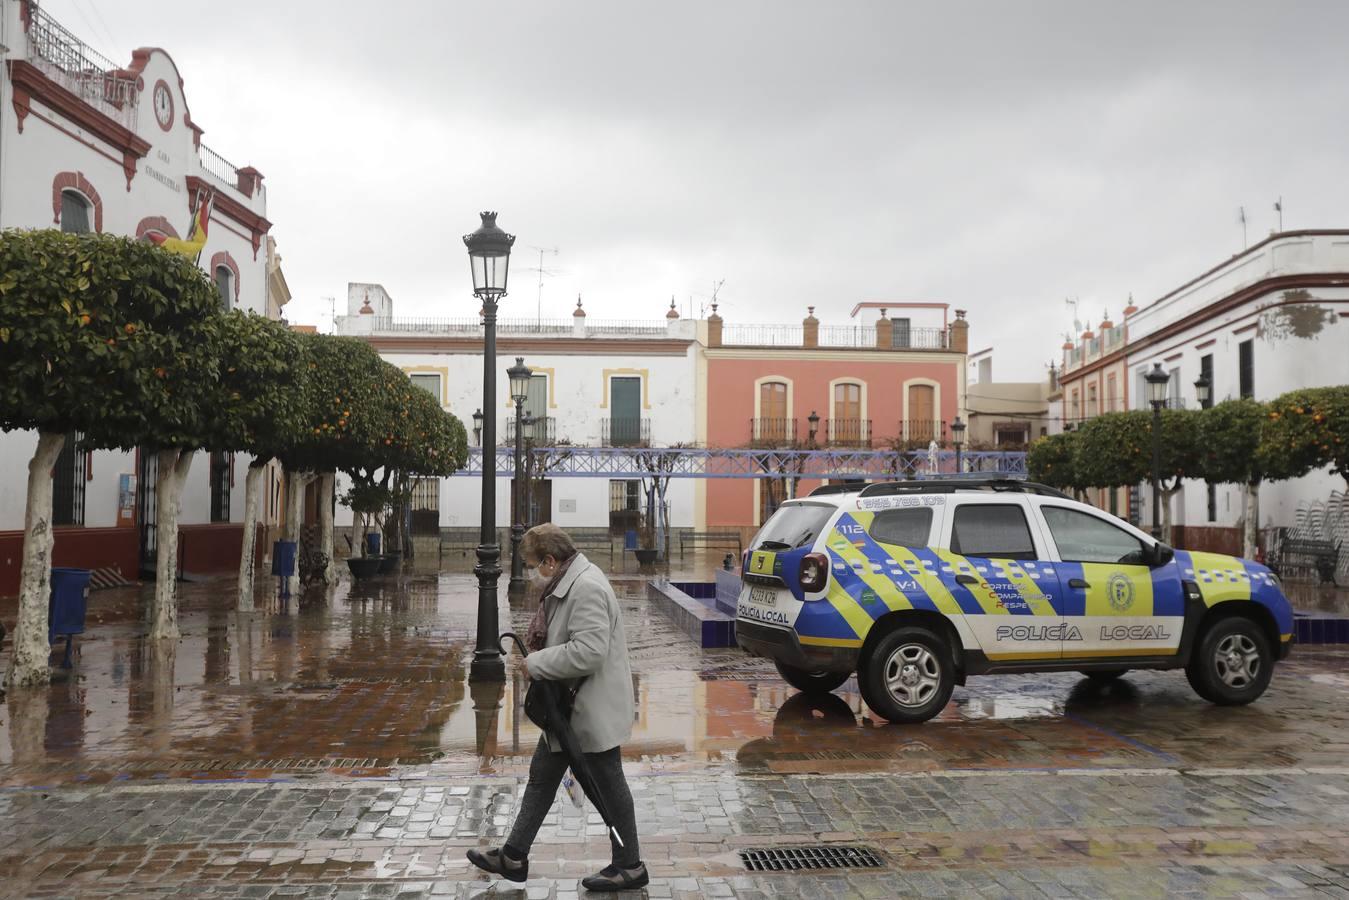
547 540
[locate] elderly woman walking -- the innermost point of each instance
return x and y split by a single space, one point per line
576 637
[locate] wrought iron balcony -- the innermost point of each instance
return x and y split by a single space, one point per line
95 79
772 432
626 432
923 431
543 432
847 432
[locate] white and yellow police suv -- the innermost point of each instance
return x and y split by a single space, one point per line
916 585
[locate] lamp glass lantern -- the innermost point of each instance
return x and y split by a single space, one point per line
1157 380
477 425
489 254
519 375
958 432
1203 390
814 420
527 426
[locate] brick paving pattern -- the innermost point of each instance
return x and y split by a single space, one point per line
338 751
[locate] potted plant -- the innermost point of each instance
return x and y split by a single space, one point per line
366 500
646 551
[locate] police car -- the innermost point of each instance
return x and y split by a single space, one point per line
917 585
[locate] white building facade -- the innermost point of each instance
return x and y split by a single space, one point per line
594 384
1269 320
88 145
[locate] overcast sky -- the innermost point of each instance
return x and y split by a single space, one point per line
997 156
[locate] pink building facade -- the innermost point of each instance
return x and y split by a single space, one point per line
895 385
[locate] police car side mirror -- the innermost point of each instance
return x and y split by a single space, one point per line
1159 554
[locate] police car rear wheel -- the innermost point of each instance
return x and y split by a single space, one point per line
1232 664
808 682
908 676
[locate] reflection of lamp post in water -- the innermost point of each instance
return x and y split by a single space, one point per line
486 704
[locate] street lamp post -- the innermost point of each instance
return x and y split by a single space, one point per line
814 420
1157 381
489 255
519 376
1203 390
958 440
527 427
477 427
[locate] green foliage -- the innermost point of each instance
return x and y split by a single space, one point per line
1307 429
1050 461
1115 449
259 402
363 415
364 497
1230 442
105 335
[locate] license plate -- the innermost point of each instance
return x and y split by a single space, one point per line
763 596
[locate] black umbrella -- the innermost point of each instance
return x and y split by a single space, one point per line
548 705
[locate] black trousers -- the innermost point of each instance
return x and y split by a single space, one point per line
545 776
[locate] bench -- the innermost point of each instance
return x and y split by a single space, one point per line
726 538
1311 556
592 539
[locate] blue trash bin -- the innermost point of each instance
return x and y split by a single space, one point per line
283 559
67 606
372 544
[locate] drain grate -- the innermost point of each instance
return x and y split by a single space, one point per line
792 859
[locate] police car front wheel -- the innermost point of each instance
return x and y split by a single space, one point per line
1233 662
908 676
808 682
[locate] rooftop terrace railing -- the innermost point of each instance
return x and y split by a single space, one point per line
92 77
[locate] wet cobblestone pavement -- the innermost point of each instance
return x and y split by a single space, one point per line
337 750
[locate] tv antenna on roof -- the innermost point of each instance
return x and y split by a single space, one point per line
1077 323
538 301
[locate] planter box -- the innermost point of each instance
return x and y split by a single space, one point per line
389 562
363 567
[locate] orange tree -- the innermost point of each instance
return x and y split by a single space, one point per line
1306 429
1233 450
1115 450
1050 460
101 336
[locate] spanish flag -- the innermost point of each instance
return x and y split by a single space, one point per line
196 235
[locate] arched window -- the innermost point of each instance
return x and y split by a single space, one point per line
224 285
75 211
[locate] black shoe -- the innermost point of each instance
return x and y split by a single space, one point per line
498 863
612 878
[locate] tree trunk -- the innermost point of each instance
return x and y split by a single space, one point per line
28 663
249 553
1166 516
326 486
1250 513
173 468
295 482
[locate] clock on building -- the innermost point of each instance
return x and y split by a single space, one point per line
163 103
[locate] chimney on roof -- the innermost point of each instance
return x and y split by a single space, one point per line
960 333
810 329
885 330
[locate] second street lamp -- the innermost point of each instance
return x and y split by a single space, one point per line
1157 381
1203 390
519 375
958 440
489 254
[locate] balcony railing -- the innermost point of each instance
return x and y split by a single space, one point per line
750 335
922 431
543 433
92 77
772 432
624 432
854 433
918 338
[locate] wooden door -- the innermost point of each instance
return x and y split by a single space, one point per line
922 412
772 423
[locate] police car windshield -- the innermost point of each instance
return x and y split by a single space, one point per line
794 526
